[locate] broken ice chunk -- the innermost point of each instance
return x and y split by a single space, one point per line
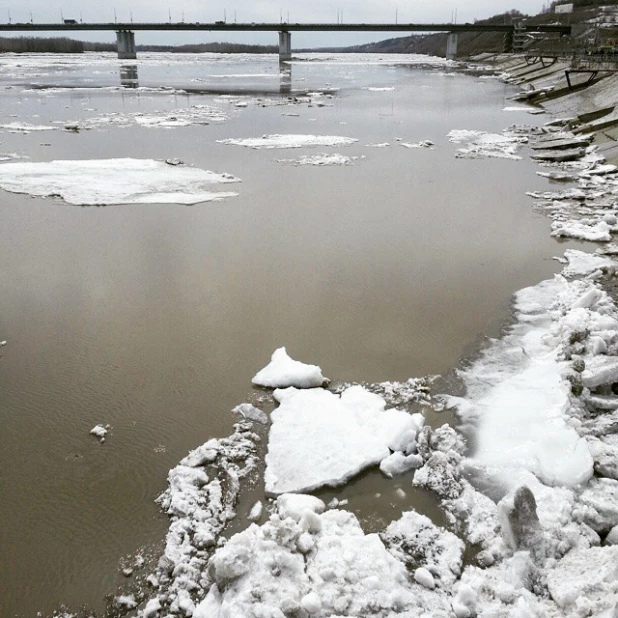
283 371
99 431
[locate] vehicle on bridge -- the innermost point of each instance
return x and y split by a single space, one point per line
70 22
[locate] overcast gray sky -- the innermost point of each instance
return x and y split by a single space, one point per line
419 11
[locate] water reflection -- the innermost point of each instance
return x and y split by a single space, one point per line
285 77
128 76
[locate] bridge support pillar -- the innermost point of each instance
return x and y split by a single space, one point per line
451 46
125 40
285 46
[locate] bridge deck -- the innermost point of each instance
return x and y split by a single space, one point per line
278 27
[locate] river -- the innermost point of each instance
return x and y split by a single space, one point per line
154 318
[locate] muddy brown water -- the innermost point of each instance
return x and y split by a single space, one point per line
154 318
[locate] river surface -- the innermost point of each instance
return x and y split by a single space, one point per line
154 318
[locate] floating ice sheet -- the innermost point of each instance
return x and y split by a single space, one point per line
322 159
169 119
290 141
487 145
318 438
114 181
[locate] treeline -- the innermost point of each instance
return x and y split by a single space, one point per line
36 44
63 45
53 45
225 48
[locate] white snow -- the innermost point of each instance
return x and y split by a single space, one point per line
114 181
283 371
290 141
318 438
380 88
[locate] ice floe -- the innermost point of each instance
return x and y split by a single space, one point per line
290 141
323 159
169 119
25 127
318 438
251 413
426 143
283 371
114 181
100 431
491 145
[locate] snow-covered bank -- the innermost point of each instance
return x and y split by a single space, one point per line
115 181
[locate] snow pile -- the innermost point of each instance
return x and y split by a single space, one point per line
321 159
307 562
283 371
318 438
483 145
200 501
289 141
114 181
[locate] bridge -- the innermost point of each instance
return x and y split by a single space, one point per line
125 32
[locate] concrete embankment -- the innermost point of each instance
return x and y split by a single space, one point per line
586 95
